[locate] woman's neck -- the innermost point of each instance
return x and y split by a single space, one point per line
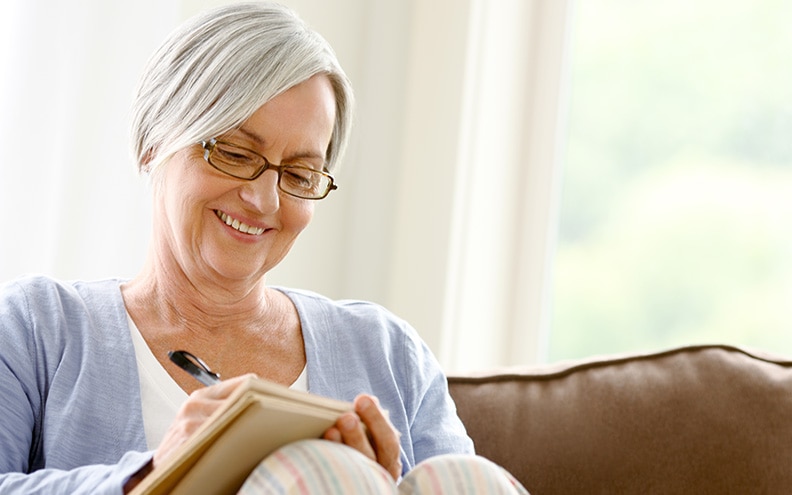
238 328
166 295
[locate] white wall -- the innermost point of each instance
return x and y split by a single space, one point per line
73 204
446 201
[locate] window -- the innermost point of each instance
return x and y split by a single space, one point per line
676 209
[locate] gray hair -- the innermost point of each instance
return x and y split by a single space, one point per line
213 72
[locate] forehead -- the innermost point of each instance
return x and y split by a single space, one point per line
298 121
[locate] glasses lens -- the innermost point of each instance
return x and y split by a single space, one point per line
304 182
235 161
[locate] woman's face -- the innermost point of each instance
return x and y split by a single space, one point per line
195 203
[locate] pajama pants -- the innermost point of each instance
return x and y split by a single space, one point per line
318 467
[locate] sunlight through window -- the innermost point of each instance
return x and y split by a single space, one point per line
676 209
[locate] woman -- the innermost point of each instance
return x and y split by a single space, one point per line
240 119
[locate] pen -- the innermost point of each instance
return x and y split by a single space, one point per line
194 366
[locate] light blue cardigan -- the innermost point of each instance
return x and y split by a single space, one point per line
70 414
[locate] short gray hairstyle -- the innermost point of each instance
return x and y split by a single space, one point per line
214 71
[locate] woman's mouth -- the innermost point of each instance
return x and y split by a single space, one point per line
237 225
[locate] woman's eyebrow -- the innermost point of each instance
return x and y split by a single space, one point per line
252 136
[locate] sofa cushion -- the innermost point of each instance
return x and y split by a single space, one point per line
704 419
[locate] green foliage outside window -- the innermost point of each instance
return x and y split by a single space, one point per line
676 211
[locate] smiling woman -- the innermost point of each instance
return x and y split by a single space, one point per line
252 82
193 198
405 230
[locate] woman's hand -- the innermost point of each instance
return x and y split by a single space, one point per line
193 413
379 440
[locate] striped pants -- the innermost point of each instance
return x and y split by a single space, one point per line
325 468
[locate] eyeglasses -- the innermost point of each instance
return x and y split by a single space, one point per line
296 180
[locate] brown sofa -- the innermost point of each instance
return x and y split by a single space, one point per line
693 420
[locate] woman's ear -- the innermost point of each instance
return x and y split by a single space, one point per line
148 157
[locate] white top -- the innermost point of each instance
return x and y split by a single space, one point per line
160 395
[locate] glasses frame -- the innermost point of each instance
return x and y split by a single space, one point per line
209 147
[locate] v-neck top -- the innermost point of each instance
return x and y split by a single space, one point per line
72 405
161 397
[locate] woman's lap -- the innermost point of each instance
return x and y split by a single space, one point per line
327 468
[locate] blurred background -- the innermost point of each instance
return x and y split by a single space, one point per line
528 180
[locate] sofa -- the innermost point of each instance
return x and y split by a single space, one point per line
693 420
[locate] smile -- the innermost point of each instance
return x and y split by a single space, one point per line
237 225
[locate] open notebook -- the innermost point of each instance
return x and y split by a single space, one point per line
258 418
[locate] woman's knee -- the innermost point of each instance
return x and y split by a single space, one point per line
459 475
317 466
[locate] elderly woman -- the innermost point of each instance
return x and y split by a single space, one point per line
240 119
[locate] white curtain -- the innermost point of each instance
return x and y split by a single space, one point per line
446 205
70 196
475 222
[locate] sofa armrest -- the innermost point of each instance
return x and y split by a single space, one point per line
703 419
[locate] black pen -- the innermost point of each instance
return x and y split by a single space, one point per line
194 366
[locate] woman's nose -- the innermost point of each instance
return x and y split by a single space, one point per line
262 193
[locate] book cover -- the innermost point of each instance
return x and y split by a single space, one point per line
257 419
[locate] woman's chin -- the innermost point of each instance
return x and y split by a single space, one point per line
229 272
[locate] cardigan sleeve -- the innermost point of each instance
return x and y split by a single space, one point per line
32 460
98 479
435 427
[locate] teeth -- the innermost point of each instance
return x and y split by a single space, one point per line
240 226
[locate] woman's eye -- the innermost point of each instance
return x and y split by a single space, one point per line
298 176
232 156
